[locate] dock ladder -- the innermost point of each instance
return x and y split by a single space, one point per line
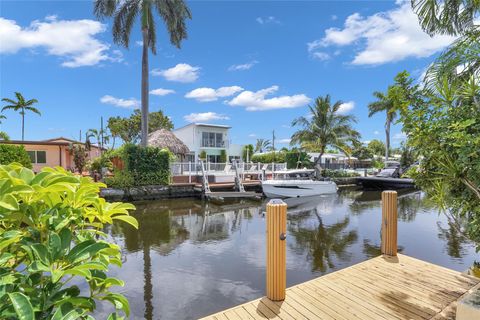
238 180
206 186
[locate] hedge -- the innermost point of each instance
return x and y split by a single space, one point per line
10 153
142 166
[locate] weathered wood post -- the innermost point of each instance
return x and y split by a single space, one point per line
276 249
389 223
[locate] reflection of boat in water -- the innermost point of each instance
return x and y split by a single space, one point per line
388 178
323 204
296 183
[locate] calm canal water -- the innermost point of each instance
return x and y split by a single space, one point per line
191 258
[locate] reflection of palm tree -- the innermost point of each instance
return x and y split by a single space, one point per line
455 240
324 242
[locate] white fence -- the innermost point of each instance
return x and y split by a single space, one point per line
193 169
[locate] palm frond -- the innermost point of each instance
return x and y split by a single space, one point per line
104 8
174 13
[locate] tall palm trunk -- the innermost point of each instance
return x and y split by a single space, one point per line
145 87
23 124
387 139
318 165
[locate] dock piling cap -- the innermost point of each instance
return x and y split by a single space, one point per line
276 201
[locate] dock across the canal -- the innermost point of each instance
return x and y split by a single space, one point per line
384 287
391 286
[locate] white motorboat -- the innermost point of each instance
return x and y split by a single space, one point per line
296 183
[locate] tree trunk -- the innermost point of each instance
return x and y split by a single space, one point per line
144 130
23 125
387 140
318 166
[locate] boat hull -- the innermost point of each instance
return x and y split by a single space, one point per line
375 183
293 189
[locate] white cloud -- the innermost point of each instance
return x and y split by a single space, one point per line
72 40
384 37
267 20
161 92
333 17
252 135
346 107
322 56
204 117
131 103
284 141
242 67
210 94
256 101
139 43
376 132
182 72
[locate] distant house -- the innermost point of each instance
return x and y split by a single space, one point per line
51 152
334 160
211 138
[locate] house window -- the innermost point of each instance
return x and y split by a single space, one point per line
212 140
39 157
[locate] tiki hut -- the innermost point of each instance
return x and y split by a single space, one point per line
166 139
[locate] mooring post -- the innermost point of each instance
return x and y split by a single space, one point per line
276 249
389 223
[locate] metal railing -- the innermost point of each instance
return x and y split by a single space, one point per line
194 169
211 143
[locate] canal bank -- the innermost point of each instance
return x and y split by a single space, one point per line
184 190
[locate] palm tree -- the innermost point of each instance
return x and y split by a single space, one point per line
384 104
263 145
173 12
21 105
446 17
326 127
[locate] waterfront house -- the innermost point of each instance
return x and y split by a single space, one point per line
51 152
214 139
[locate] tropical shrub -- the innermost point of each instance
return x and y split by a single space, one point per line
223 156
11 153
296 159
203 155
80 155
54 256
269 157
247 152
339 173
142 166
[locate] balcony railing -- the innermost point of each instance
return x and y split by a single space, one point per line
210 143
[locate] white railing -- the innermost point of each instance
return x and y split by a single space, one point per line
194 169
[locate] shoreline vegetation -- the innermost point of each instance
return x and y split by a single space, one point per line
52 222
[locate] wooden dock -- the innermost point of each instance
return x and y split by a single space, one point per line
381 288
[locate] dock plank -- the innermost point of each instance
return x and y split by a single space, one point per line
381 288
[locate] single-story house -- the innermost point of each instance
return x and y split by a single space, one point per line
52 152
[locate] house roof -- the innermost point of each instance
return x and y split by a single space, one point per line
60 141
197 124
166 139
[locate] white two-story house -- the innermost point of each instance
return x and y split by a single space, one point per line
211 138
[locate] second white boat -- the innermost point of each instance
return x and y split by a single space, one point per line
296 183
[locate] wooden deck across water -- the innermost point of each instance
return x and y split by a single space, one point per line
380 288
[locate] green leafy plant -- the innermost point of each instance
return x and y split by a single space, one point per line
269 157
11 153
54 256
80 155
142 166
223 156
203 155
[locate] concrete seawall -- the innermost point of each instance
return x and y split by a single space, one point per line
185 190
155 192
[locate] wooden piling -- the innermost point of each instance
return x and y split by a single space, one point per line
389 223
276 249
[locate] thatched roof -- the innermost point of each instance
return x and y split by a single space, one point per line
166 139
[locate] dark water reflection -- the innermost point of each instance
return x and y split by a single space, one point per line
191 258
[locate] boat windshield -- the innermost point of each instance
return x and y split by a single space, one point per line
294 176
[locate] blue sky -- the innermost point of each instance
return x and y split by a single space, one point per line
254 65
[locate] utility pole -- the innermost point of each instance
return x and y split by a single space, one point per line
80 136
